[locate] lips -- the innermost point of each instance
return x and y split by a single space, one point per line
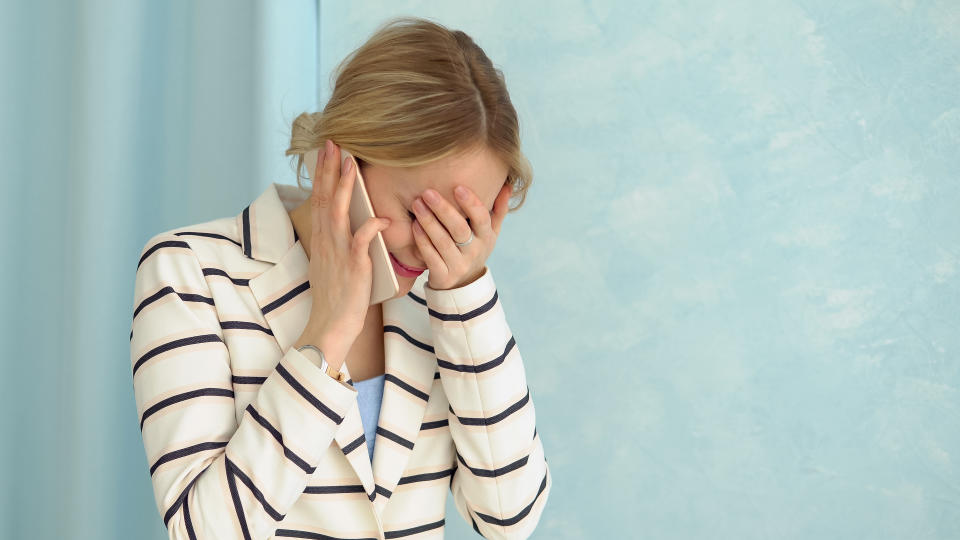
410 268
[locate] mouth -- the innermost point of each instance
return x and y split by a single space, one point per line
405 267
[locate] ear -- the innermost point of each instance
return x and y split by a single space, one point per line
500 206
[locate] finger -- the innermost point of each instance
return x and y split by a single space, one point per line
501 206
457 226
473 207
435 231
429 253
330 220
331 169
341 198
317 167
365 234
316 193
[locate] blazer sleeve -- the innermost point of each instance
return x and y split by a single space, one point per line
213 476
501 481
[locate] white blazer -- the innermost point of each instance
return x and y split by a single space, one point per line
247 438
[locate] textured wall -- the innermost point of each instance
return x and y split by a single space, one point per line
735 279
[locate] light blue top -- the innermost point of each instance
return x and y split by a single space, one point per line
369 396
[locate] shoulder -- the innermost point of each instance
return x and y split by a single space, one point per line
214 243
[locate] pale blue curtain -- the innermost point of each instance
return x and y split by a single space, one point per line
112 111
735 282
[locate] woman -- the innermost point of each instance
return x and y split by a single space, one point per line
258 366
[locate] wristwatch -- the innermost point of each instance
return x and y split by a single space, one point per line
316 356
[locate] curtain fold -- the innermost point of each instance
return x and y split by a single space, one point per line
120 119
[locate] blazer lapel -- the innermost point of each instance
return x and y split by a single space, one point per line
410 367
282 293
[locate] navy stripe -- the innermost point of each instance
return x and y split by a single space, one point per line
354 444
235 495
327 490
186 297
413 530
406 386
307 395
163 244
406 336
486 421
207 235
193 449
247 248
493 473
285 298
487 306
468 368
245 325
223 392
382 490
255 490
238 379
180 498
297 460
475 526
394 437
218 272
522 514
294 533
186 517
425 476
417 298
434 424
182 342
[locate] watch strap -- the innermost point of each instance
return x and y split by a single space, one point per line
326 367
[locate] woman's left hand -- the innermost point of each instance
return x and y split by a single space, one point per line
450 265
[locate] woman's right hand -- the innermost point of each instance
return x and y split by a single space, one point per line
341 272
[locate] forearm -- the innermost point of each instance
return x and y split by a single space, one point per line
502 481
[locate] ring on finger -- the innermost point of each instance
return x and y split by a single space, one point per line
467 242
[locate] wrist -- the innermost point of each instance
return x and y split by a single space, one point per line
334 348
465 282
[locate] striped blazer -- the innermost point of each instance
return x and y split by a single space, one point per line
245 437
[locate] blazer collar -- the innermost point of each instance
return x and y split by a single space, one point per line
266 232
282 293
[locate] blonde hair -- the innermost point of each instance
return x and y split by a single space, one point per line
414 93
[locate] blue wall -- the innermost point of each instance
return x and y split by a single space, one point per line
736 279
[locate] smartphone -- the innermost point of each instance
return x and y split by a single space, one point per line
385 285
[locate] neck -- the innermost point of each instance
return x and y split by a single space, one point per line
300 218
